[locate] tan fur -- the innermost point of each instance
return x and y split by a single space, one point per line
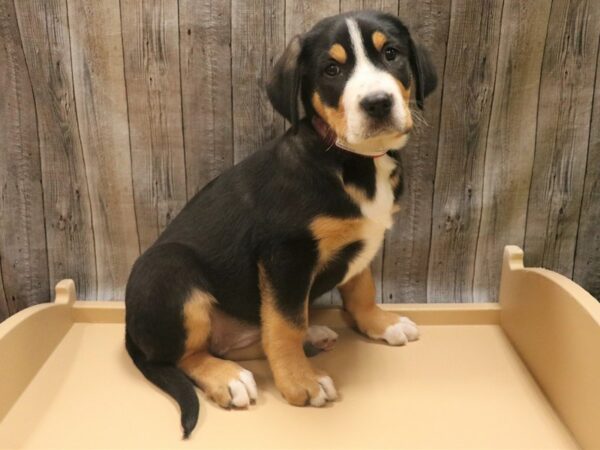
196 321
379 39
334 117
358 295
338 53
405 92
283 345
332 233
212 375
253 351
358 195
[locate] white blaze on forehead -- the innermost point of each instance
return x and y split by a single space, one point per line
357 43
366 79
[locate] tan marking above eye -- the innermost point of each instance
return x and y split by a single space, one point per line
379 40
338 53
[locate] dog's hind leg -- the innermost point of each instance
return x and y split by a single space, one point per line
223 381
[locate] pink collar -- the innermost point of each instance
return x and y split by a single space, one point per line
330 138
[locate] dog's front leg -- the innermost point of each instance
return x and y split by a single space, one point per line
284 315
358 295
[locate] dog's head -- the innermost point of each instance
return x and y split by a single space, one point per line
356 71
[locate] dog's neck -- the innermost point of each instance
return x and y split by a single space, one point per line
331 139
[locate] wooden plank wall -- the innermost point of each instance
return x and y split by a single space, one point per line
114 113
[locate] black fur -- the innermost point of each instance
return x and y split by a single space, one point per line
259 211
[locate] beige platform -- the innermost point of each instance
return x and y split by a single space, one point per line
522 374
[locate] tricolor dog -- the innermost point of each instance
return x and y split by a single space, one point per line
233 275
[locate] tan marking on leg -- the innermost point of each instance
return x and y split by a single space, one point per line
283 344
332 234
338 53
379 39
335 117
213 375
358 295
196 320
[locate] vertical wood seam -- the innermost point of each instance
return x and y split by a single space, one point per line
232 135
85 166
37 129
185 177
537 122
587 157
137 230
485 152
437 150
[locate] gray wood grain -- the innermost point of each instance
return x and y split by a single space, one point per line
70 237
566 95
23 252
151 51
257 40
511 140
407 245
205 60
466 102
4 312
97 58
587 256
390 7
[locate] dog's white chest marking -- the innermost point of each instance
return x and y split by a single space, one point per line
378 213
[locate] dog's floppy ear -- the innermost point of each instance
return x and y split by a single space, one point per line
424 71
283 86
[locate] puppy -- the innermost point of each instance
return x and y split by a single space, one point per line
234 273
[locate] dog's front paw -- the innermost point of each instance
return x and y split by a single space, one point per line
318 339
403 331
301 389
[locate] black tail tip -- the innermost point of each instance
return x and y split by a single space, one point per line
188 423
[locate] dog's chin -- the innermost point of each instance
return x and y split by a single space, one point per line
377 144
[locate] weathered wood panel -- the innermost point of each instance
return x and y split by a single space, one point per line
257 39
97 58
23 252
510 144
466 102
587 256
566 94
391 7
151 50
205 49
70 238
123 109
4 312
407 246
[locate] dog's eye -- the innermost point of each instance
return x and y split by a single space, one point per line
390 53
332 70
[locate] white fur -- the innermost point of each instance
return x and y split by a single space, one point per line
327 392
379 215
323 338
403 331
243 389
364 80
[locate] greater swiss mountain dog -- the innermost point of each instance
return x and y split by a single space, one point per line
234 273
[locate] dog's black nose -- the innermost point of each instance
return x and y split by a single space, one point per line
377 105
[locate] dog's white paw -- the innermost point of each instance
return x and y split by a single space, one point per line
321 337
403 331
242 389
327 392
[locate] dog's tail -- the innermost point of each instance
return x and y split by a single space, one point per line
171 380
